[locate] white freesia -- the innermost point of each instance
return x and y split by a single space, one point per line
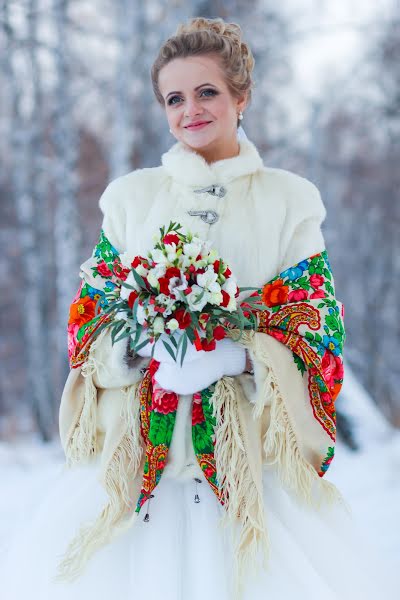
208 280
193 249
212 256
141 270
127 259
231 305
154 275
171 254
177 285
193 299
158 256
229 286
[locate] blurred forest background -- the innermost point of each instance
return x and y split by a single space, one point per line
77 110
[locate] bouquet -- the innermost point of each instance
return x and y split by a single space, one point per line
183 291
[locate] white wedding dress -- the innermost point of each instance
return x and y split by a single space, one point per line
181 553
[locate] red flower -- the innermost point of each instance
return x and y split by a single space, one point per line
209 472
197 413
208 346
297 295
183 317
120 271
203 320
225 298
164 285
138 260
172 272
316 280
275 293
216 266
82 311
278 335
171 238
318 294
332 368
219 332
227 272
164 401
131 299
104 270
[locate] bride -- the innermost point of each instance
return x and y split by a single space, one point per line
122 520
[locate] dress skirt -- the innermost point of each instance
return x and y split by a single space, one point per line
182 553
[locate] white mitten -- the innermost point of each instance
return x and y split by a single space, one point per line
228 358
162 355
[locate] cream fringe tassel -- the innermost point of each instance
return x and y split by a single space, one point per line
82 444
243 500
280 443
120 472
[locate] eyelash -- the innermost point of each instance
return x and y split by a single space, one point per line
206 90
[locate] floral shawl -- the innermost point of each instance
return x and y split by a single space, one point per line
303 314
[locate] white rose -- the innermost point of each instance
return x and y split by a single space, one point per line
158 325
216 298
173 324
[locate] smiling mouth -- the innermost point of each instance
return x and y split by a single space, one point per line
200 126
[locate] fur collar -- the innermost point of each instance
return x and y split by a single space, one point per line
190 168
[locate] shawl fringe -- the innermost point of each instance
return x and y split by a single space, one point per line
281 447
119 474
242 498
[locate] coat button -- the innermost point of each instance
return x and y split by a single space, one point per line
208 216
214 190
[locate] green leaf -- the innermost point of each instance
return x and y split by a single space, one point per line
121 337
184 347
169 350
139 279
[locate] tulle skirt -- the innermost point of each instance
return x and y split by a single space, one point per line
182 553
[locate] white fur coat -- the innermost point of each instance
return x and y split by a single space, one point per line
268 220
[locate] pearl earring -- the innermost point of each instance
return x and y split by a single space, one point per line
240 115
170 130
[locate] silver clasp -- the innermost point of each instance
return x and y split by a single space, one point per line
215 190
208 216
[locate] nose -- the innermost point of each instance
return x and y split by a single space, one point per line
192 108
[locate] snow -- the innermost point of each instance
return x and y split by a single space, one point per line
367 478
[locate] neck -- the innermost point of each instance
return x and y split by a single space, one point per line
219 150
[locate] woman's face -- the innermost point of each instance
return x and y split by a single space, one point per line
194 90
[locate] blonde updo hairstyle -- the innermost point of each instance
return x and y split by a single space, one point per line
200 36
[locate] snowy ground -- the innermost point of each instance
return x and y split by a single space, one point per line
369 478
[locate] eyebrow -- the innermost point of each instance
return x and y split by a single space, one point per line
195 89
